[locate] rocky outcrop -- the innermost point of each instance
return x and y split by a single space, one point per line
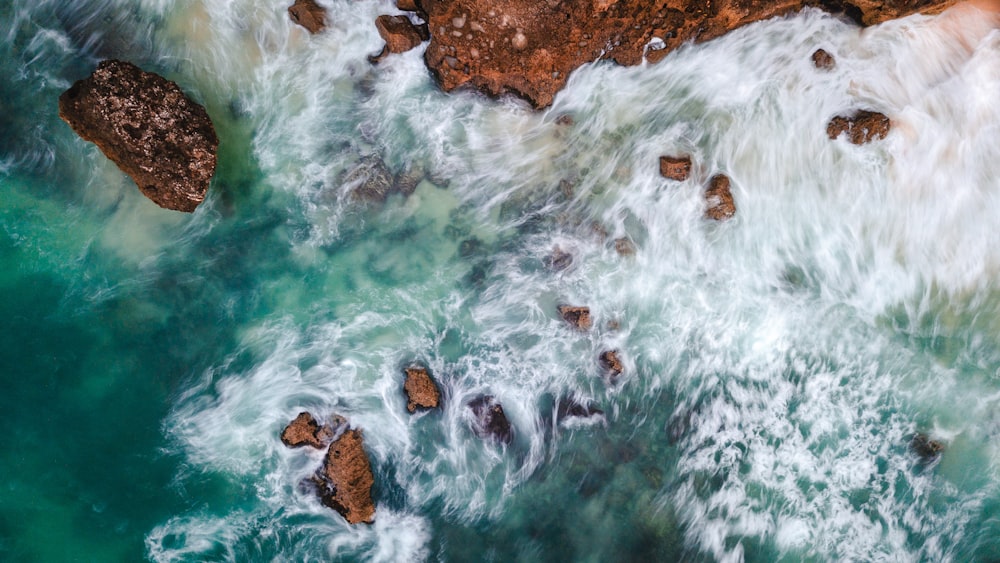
399 33
147 126
421 391
579 317
559 260
823 60
570 408
306 431
611 363
489 420
719 199
862 127
675 167
345 481
308 14
529 48
926 449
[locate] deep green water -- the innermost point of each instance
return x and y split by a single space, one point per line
777 365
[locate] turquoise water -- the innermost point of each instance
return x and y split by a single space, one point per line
777 365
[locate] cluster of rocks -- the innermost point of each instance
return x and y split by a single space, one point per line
719 201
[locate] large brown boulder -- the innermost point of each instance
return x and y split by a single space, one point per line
719 199
862 127
579 317
421 391
144 123
399 33
308 14
675 167
306 431
346 479
529 47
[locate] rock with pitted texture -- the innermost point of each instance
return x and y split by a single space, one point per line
862 127
611 363
421 391
345 481
579 317
144 123
528 48
675 167
719 198
823 60
308 14
306 431
489 420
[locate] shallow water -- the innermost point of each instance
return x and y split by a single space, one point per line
776 366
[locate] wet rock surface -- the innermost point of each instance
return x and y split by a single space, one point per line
148 127
528 48
559 260
421 391
489 420
308 14
719 199
570 408
579 317
305 430
611 363
345 481
399 33
624 246
823 60
675 167
926 449
861 127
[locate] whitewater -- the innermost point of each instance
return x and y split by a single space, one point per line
777 365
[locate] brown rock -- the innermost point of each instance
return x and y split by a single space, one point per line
306 431
862 127
719 198
420 390
579 317
675 168
489 420
399 33
407 5
345 481
823 60
529 48
308 14
611 363
927 449
149 128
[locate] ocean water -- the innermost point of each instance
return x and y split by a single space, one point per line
776 365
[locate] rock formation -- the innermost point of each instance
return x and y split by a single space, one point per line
719 199
624 246
579 317
862 127
529 48
926 449
559 260
399 34
675 167
420 390
149 128
569 407
489 420
823 60
346 479
306 431
611 363
308 14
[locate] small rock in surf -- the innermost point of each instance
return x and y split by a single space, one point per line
719 198
861 127
579 317
489 420
421 391
308 14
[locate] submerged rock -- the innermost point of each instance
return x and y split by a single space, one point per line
421 391
579 317
559 260
823 60
345 481
719 199
306 431
529 48
624 246
675 167
569 408
862 127
927 449
308 14
147 126
370 180
489 420
611 363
